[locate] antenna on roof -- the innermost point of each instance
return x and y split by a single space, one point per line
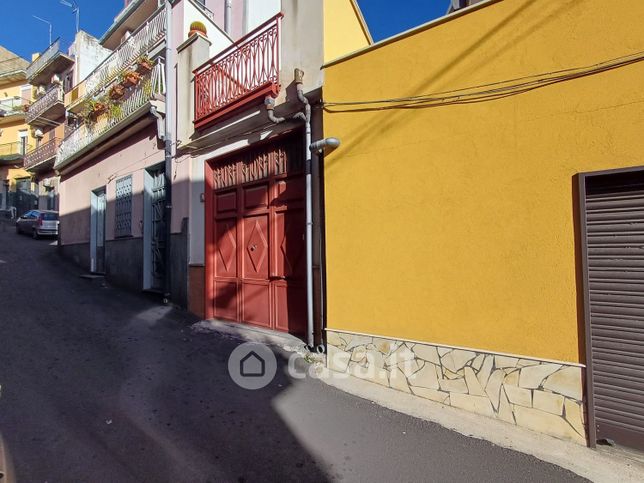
47 22
74 6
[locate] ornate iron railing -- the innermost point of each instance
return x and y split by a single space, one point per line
42 153
43 59
51 97
139 43
149 87
246 70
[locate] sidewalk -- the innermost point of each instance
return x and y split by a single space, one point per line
605 464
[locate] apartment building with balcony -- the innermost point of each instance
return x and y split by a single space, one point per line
251 112
15 137
149 154
112 160
52 73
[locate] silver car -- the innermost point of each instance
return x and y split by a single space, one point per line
38 223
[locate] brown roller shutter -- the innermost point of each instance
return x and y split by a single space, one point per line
614 238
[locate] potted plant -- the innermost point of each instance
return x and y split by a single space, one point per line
117 91
197 27
93 109
144 65
130 78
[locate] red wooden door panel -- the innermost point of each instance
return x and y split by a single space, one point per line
290 271
225 256
255 283
259 257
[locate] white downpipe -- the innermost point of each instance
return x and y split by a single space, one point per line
228 13
305 116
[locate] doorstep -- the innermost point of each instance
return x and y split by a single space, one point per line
249 333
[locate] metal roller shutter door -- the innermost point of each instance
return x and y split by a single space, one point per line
614 219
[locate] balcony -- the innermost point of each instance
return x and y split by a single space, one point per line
136 102
146 37
11 109
245 72
13 151
41 156
51 61
48 108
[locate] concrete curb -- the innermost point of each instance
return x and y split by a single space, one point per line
251 334
602 465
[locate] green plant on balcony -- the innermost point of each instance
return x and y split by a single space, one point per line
93 108
147 88
144 64
115 110
130 78
197 27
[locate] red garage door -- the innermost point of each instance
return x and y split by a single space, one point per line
256 245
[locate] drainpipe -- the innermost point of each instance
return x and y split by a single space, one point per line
228 13
169 119
299 77
305 116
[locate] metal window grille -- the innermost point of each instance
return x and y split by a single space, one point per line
123 225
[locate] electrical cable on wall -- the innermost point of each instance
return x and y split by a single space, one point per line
485 92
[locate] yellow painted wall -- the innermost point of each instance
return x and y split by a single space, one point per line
9 126
343 30
454 224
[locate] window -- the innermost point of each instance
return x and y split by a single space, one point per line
22 140
123 224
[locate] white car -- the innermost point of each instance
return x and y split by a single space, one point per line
38 223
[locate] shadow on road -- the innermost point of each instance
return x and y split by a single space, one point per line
103 385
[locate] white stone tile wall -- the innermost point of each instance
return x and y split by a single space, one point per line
542 396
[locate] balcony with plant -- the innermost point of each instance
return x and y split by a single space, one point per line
117 105
132 54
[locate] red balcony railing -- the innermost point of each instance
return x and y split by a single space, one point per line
247 70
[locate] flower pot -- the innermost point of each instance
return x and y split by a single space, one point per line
117 91
144 67
197 27
131 79
99 108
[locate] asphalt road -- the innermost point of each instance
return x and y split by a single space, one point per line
101 385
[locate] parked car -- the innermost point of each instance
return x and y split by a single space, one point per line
38 223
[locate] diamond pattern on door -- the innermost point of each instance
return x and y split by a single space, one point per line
292 245
257 247
256 238
226 248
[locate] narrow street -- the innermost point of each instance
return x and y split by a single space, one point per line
104 385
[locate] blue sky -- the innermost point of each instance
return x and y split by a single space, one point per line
23 34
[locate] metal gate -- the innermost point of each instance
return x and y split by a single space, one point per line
158 228
255 245
24 198
613 236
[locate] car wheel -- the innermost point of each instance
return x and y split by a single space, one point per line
35 234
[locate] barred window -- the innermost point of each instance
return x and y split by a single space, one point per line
123 225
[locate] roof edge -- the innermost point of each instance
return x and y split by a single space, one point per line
363 22
413 31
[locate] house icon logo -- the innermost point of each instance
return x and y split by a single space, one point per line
252 366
